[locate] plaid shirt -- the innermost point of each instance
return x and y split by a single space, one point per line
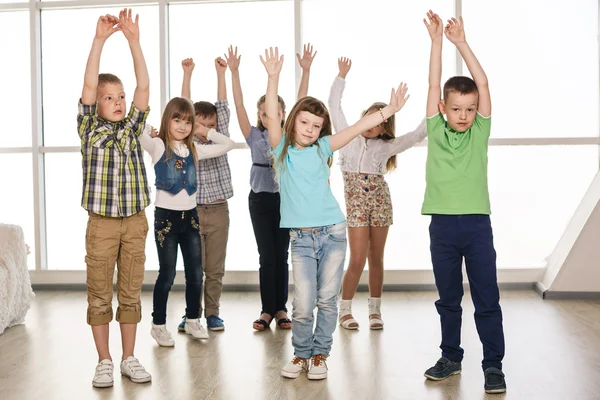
214 176
114 174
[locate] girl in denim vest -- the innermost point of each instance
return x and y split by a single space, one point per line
317 225
175 156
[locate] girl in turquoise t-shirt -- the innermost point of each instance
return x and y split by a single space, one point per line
308 207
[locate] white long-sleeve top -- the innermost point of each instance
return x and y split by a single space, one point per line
368 156
182 201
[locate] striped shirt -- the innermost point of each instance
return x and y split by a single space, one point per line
214 176
114 174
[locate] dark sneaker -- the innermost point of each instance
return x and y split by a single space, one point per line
494 381
181 327
215 323
443 369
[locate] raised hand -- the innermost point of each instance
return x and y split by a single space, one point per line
434 25
233 60
399 97
220 65
130 28
153 133
272 61
107 25
188 65
344 64
307 57
455 30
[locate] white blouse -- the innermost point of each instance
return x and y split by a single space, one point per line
368 156
182 201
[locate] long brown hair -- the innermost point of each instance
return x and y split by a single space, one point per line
260 101
313 106
389 132
177 108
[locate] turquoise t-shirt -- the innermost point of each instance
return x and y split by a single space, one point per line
306 197
456 171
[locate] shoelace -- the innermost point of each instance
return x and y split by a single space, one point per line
316 360
298 360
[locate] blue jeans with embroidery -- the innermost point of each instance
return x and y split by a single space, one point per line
318 257
173 230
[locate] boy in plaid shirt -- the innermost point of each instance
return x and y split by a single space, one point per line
214 188
115 194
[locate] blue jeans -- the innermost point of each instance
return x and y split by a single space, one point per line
470 236
318 257
173 229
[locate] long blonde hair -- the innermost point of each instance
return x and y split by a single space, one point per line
177 108
389 132
313 106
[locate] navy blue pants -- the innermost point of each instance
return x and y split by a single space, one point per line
470 236
173 230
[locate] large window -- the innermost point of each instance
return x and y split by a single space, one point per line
543 86
63 70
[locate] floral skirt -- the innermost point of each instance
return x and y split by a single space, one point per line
368 200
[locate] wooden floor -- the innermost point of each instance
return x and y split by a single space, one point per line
553 352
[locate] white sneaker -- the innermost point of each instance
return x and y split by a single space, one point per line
162 335
194 327
103 377
132 369
294 368
318 367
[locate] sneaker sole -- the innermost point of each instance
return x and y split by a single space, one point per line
102 385
376 327
433 378
196 337
495 391
290 375
137 380
179 329
163 344
216 329
316 377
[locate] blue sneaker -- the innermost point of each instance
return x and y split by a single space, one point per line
215 323
181 327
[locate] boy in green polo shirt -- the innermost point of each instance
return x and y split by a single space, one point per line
457 199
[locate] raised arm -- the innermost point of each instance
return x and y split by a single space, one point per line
233 61
221 144
273 64
131 30
186 86
433 22
397 101
106 26
455 32
305 62
408 140
151 143
338 119
221 67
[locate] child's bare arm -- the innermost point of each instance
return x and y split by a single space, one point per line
305 62
233 61
186 86
273 64
221 67
338 119
131 30
455 32
397 101
106 26
433 22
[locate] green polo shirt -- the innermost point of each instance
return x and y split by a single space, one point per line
456 172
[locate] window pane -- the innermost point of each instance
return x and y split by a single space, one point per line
16 204
533 199
242 29
15 79
63 70
544 82
387 43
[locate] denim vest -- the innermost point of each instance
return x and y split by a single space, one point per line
176 173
